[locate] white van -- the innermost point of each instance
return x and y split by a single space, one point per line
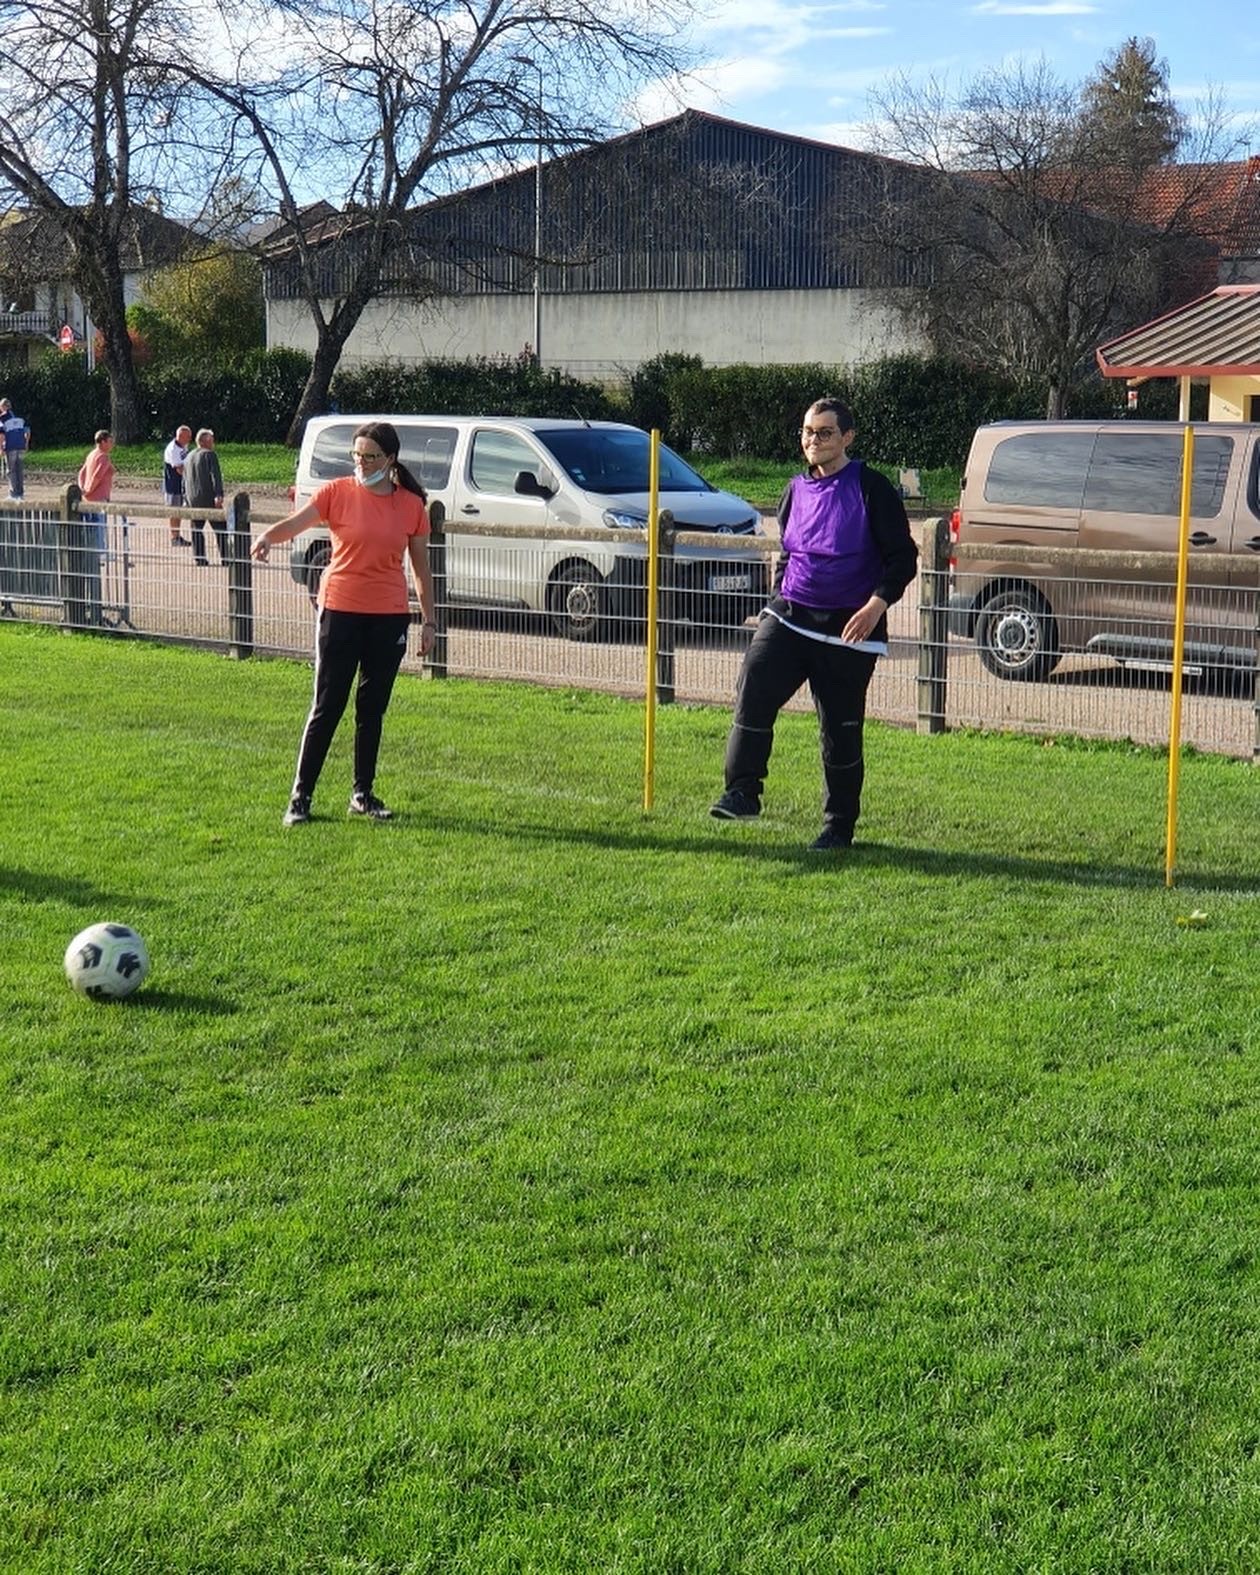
556 473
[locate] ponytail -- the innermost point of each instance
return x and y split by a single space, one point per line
408 482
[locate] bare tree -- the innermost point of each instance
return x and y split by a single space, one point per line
85 125
1031 236
381 107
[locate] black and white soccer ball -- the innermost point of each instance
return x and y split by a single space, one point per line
107 962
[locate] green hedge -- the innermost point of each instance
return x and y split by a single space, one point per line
910 410
248 401
62 402
482 386
647 398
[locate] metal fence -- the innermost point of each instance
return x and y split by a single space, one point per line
1106 671
555 609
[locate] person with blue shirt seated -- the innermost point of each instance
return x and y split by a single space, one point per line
847 556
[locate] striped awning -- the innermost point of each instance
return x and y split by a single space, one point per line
1214 336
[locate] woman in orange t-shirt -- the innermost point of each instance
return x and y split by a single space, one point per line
376 518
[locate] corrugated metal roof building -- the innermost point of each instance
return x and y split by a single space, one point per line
697 234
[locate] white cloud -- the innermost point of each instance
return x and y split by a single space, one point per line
744 16
848 133
1034 8
780 27
715 87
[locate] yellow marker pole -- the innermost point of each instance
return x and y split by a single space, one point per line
653 567
1179 651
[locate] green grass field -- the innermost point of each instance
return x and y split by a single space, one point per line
533 1185
242 462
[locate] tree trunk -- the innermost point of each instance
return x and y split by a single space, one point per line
127 420
102 286
314 398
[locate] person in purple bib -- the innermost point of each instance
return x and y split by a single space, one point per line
847 556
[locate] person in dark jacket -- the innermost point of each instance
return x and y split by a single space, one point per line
203 489
847 556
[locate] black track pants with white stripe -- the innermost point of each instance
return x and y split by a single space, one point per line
371 645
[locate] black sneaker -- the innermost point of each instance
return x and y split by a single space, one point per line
734 805
298 812
366 804
831 840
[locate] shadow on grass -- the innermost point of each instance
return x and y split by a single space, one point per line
63 888
755 845
150 999
930 861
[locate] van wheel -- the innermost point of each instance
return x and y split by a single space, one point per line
1017 636
575 601
317 561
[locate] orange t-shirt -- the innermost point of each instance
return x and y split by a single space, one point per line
370 532
96 477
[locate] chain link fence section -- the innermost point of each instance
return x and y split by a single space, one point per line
1079 641
528 607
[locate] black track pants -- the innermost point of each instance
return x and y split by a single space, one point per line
776 664
373 646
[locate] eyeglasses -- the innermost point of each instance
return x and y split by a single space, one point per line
362 456
819 432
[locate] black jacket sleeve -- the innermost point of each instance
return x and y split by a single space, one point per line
886 515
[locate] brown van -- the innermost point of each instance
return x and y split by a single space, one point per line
1112 485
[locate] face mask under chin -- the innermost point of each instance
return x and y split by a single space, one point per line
373 479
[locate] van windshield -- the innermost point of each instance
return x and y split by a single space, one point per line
612 461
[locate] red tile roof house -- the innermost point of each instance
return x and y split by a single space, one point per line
1214 338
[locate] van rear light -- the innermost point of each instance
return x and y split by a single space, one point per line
955 525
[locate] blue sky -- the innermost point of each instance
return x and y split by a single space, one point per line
807 68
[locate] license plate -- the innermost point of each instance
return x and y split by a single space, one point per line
731 582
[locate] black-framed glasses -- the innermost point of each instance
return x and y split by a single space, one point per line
819 432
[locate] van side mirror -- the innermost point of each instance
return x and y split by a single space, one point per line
531 486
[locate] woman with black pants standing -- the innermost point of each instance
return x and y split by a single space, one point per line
376 517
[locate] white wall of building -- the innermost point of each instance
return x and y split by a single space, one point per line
62 303
604 336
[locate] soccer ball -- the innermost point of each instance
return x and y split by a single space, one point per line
107 961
